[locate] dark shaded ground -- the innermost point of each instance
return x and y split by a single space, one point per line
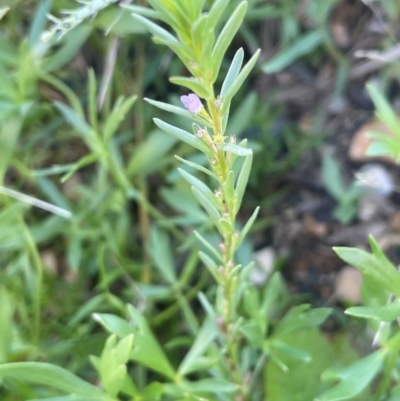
304 226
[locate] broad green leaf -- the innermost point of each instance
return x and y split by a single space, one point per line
113 324
253 332
281 348
303 45
386 313
184 136
242 180
352 379
226 36
52 376
236 85
374 265
302 381
147 350
193 84
299 318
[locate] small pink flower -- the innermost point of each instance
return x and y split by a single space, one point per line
192 103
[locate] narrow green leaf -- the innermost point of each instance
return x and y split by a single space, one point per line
179 111
193 84
303 45
204 338
233 72
183 136
207 306
50 375
144 11
207 205
386 313
85 161
75 120
208 245
226 36
120 109
242 180
217 9
247 227
159 248
212 267
236 149
196 166
225 226
157 31
236 85
203 188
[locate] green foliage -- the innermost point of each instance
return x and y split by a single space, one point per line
180 318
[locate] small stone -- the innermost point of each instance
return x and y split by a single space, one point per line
348 285
361 142
264 266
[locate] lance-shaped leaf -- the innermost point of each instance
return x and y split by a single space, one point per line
226 36
195 182
183 136
233 72
212 267
179 111
385 313
52 376
196 166
208 245
144 11
238 82
207 205
236 149
375 265
215 14
205 337
159 248
157 31
193 84
242 180
352 379
247 227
